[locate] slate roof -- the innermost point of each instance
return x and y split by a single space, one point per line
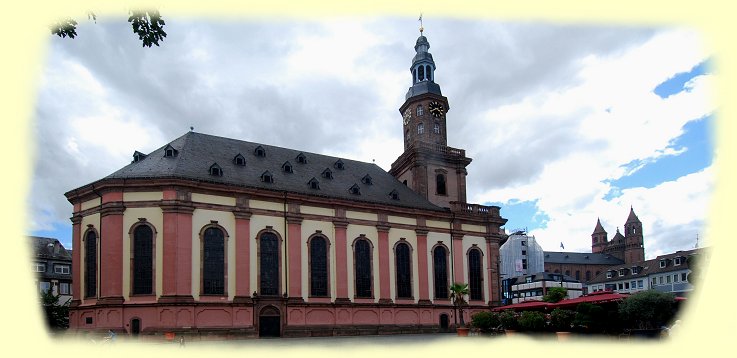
43 247
647 267
580 258
196 153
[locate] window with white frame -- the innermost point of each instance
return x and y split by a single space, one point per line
683 277
61 269
44 286
662 263
676 261
660 280
654 281
608 274
39 267
667 279
622 272
620 286
675 278
64 288
640 283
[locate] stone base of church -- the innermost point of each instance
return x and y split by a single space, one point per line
261 317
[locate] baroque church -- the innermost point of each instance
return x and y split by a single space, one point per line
217 236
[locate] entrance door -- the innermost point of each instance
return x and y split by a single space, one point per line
443 322
269 323
135 326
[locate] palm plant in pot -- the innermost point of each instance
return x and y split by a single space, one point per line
458 292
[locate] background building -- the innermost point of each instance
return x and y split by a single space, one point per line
533 287
211 235
53 266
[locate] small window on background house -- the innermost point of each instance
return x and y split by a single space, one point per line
667 279
683 277
676 261
662 263
675 278
44 286
653 282
524 264
639 283
63 288
61 269
608 274
660 280
39 267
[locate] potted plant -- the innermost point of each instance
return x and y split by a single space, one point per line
458 291
486 321
508 320
561 321
532 321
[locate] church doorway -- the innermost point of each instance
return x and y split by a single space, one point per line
444 322
269 322
135 326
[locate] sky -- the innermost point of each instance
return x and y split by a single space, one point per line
565 123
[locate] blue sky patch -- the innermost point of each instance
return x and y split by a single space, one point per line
675 84
522 215
699 143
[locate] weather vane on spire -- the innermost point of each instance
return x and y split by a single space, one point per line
421 28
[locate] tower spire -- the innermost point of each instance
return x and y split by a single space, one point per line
421 28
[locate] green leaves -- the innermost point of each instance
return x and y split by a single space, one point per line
148 25
64 27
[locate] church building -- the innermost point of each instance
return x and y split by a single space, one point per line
209 235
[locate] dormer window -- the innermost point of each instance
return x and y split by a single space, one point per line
662 263
355 190
394 195
327 173
301 159
635 270
287 167
608 274
367 180
138 156
170 152
215 170
314 184
677 261
239 160
260 152
339 165
622 271
266 177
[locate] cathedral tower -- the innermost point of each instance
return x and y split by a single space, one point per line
598 238
428 166
634 250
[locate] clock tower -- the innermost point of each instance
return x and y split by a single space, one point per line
428 166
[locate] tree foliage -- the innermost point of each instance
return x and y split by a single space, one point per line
561 319
648 309
555 294
458 292
56 314
486 321
532 321
147 24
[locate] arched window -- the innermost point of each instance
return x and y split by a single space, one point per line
440 272
269 264
440 184
420 128
213 262
143 260
475 275
90 264
362 267
422 73
403 270
318 266
428 71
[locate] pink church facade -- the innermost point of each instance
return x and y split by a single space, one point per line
215 236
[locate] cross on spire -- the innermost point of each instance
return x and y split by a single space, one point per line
420 20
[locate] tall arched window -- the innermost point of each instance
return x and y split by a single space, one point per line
422 73
143 260
269 264
403 270
362 268
213 261
318 266
475 275
440 272
90 264
440 184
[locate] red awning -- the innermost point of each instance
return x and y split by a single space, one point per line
526 305
594 298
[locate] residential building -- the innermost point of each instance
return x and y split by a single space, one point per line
52 264
533 287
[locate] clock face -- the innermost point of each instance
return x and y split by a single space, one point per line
407 116
436 109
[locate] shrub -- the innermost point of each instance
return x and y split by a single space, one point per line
647 309
561 319
555 294
486 321
532 321
508 319
589 317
